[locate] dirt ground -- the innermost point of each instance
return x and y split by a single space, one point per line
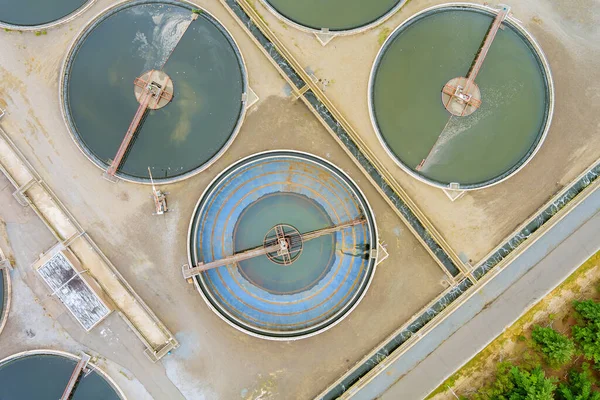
569 34
514 344
214 361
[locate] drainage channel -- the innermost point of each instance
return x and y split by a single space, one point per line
416 224
534 224
409 330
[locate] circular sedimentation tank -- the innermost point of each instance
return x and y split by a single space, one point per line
191 61
507 108
44 374
323 278
337 16
39 14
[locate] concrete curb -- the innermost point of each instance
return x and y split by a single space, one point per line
7 295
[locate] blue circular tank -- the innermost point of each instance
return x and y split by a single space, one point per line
322 283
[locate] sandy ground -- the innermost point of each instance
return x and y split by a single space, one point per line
214 360
569 34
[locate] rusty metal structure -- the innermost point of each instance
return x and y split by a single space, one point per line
78 373
282 247
153 90
159 197
461 96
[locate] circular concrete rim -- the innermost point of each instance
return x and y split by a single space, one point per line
41 352
342 32
7 298
67 18
63 82
357 298
550 90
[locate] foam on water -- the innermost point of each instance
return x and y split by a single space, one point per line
459 125
169 27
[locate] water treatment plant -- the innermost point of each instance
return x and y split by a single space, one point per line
328 16
324 266
278 199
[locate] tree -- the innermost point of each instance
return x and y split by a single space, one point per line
514 383
578 386
556 348
587 331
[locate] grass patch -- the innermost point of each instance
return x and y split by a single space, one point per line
383 34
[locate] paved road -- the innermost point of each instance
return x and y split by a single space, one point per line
485 315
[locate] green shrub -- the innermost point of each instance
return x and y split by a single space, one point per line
556 348
578 386
514 383
587 331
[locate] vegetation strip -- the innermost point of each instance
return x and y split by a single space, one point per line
547 361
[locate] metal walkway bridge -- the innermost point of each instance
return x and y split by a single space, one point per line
76 376
461 96
156 92
281 246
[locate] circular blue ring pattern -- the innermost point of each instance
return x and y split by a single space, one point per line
286 315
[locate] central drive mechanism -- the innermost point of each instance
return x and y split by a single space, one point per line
461 96
290 244
155 88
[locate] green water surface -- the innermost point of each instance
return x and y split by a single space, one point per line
208 86
36 12
302 213
409 112
333 14
44 377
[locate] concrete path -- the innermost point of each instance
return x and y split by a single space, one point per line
484 316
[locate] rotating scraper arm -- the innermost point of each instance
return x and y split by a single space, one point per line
262 250
147 96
